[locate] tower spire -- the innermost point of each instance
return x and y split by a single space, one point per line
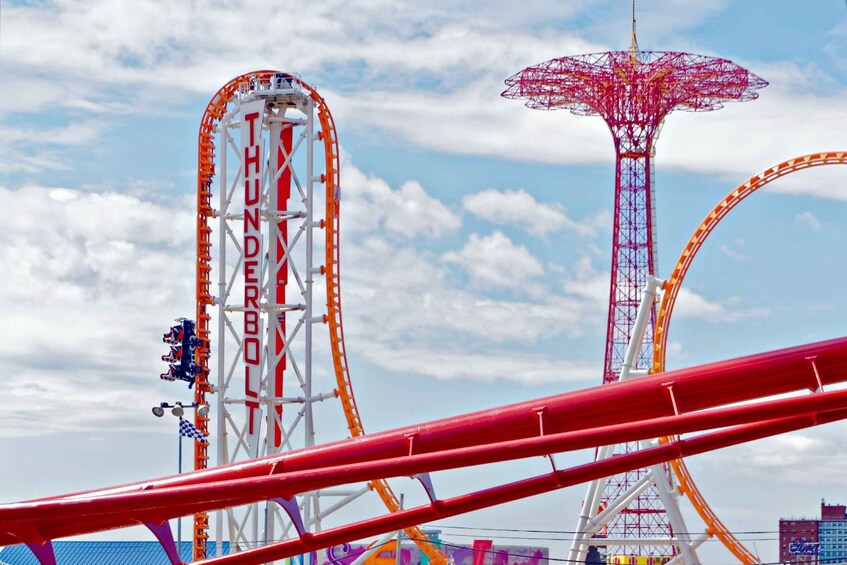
633 42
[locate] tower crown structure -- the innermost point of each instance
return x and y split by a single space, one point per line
633 88
633 91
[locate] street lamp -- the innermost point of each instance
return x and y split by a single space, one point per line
178 410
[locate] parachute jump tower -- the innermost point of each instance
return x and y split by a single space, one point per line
633 91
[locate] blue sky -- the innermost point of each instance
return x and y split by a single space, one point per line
495 291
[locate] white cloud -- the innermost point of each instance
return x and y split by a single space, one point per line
787 458
495 260
78 133
520 208
785 450
456 59
836 44
589 284
195 49
674 349
734 251
692 305
369 203
398 294
31 150
85 303
828 182
475 120
485 366
786 121
808 220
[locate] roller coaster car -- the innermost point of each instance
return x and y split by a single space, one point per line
169 376
174 356
181 332
174 335
182 372
281 82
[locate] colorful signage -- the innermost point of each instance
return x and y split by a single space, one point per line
457 554
252 146
800 547
637 560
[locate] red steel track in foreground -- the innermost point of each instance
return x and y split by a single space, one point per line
669 403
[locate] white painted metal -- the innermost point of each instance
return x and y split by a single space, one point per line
285 106
694 543
311 504
590 521
648 298
374 548
663 480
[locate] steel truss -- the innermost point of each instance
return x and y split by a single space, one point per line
273 131
254 422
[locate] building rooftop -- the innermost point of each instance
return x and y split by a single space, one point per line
102 553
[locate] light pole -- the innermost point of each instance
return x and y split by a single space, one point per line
178 410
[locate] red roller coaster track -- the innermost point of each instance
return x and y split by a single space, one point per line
666 404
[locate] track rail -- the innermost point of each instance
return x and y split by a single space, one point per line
671 290
703 398
215 110
334 319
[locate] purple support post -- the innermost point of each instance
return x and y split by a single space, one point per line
293 511
43 552
166 539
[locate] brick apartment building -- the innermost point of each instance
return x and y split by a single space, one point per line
818 541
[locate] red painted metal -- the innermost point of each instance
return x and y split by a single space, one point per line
695 388
633 91
283 188
522 489
211 495
572 415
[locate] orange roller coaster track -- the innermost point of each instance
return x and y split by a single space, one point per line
671 290
215 111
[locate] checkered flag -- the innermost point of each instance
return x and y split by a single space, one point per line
189 430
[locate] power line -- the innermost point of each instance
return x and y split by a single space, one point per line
572 532
571 538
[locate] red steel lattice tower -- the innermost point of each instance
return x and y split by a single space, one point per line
633 91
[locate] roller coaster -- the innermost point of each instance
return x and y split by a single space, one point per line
724 403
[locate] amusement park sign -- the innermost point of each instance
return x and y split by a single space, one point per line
800 547
252 148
